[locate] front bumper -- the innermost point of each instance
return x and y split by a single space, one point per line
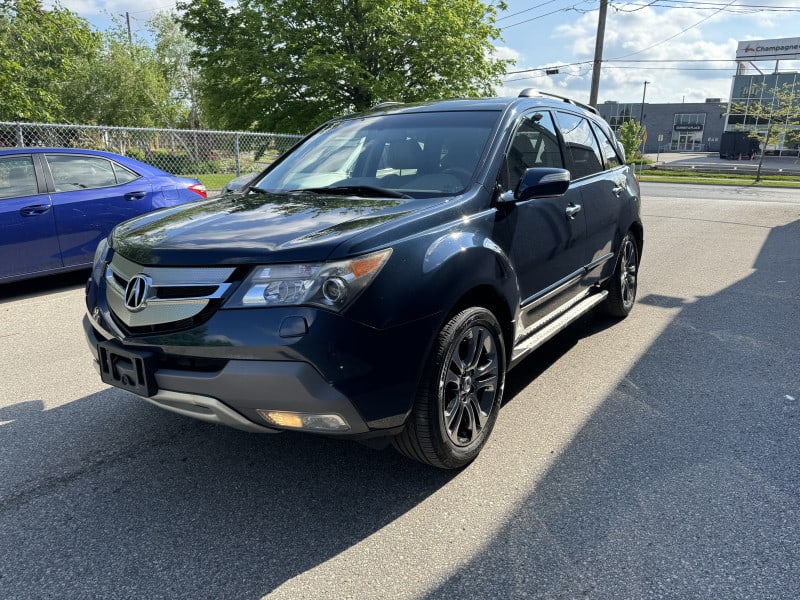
337 367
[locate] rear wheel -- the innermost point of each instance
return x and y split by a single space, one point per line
623 283
460 393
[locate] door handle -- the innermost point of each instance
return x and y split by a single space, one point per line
34 209
135 195
572 210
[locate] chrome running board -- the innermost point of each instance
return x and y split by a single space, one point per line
540 336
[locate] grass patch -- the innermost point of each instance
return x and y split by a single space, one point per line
213 181
689 176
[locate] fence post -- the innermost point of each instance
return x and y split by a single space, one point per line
20 139
236 154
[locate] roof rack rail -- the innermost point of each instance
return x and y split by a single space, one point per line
533 93
384 105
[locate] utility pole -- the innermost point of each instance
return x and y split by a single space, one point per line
128 21
641 114
641 122
598 52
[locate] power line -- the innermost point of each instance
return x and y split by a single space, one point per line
681 32
704 5
519 12
564 66
573 7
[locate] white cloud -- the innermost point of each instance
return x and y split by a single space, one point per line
505 53
143 9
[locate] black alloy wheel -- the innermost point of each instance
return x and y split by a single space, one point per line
460 394
623 283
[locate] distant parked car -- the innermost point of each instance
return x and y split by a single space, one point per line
237 184
56 204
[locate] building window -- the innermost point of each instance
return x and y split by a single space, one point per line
749 89
620 113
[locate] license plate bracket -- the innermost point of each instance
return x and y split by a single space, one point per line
131 370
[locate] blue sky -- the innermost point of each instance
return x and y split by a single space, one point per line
683 48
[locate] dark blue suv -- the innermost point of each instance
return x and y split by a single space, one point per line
380 278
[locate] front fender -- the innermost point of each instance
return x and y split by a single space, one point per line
464 261
431 272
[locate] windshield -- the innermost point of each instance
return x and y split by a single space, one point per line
418 155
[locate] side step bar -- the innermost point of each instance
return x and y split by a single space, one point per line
540 336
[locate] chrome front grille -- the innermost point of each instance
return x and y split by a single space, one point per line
144 296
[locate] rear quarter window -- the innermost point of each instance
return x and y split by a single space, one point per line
608 148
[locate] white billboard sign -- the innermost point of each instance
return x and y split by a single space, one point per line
782 49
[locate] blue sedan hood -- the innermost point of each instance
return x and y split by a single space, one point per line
252 228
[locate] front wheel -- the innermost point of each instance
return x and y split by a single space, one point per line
460 393
623 283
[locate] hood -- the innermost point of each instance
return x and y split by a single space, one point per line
252 228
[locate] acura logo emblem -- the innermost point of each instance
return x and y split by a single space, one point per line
137 292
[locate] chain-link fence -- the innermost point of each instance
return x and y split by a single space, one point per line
177 151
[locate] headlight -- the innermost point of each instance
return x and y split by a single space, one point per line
99 262
333 285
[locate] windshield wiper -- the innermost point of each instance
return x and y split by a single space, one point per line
257 190
366 191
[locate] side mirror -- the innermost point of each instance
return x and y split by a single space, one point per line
539 182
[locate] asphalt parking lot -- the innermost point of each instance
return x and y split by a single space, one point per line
655 457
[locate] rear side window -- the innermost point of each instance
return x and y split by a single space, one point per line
17 177
581 145
607 147
75 172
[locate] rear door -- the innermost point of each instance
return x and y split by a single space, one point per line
599 175
28 236
91 195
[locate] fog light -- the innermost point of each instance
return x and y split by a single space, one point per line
311 422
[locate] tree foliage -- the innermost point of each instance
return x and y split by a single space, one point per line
288 65
123 84
631 136
55 68
173 50
776 114
40 52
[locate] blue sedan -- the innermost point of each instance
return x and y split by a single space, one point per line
56 204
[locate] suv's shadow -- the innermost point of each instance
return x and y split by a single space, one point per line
109 497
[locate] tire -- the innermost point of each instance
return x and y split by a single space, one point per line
623 283
460 393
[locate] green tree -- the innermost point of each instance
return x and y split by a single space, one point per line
173 51
289 65
775 115
40 52
123 84
631 136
